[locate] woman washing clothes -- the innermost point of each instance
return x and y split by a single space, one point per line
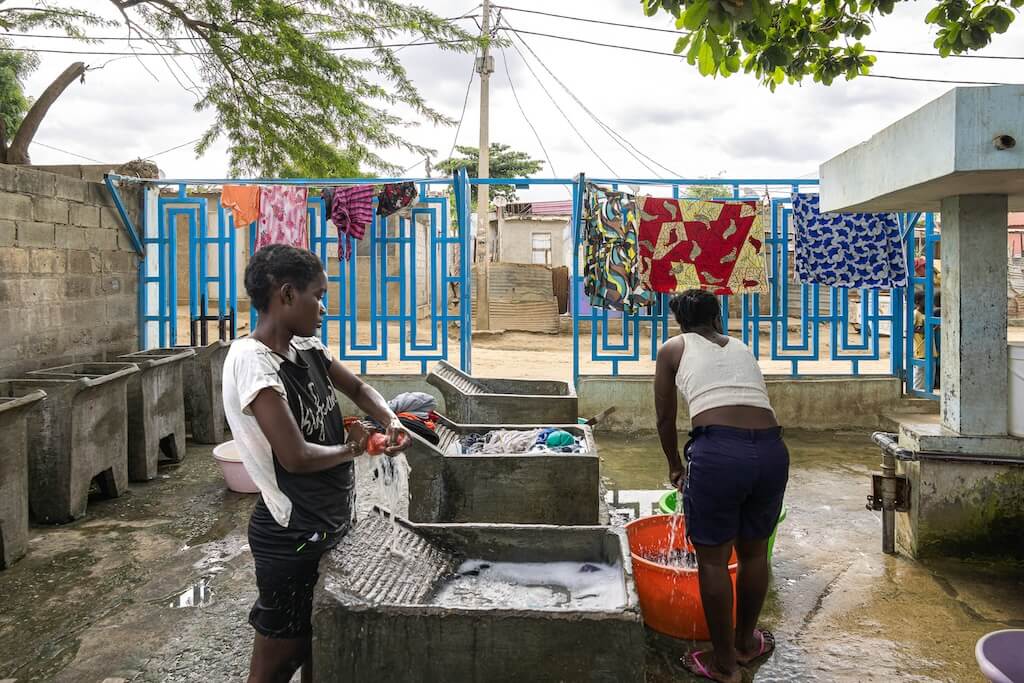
280 402
735 480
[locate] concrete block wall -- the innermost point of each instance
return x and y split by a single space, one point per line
68 272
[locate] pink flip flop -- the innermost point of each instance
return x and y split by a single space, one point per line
691 662
766 646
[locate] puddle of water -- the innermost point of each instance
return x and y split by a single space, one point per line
198 594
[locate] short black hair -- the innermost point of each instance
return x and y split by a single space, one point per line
275 265
919 298
695 307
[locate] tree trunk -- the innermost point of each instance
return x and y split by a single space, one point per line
17 153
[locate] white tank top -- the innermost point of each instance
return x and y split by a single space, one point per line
713 376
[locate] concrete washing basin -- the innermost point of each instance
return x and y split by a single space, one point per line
562 488
470 400
377 614
204 406
15 405
78 434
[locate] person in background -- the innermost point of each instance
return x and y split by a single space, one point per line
281 405
733 486
937 341
919 348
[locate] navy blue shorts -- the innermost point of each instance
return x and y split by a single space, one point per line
735 483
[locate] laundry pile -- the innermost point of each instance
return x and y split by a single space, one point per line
514 441
417 412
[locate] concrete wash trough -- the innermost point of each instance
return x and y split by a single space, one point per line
156 410
374 617
78 434
503 401
156 413
204 406
521 488
15 405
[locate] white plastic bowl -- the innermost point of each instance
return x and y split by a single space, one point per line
231 466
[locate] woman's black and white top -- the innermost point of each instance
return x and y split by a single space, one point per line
318 501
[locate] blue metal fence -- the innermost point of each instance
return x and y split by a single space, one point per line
392 300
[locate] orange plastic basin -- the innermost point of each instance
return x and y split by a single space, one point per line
669 596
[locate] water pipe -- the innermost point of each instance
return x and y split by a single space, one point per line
890 492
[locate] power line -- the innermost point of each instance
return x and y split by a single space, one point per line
64 151
465 103
617 137
656 29
671 54
184 144
512 85
191 38
179 53
576 130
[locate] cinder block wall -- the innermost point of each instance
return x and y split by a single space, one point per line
68 272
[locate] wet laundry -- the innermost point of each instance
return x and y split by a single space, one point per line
701 244
611 273
415 402
243 201
856 250
351 213
396 197
282 217
518 441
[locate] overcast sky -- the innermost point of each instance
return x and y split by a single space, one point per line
692 125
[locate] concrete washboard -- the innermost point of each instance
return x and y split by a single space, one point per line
78 434
471 400
156 410
15 405
375 617
204 376
509 488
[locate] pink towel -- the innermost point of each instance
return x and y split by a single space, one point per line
283 218
351 213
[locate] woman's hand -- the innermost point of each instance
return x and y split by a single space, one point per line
398 437
358 436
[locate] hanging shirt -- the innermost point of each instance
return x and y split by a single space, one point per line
351 213
847 249
283 217
611 276
243 201
315 501
395 197
702 244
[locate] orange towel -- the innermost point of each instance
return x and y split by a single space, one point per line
244 202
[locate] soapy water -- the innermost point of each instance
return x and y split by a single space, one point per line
677 559
392 476
534 585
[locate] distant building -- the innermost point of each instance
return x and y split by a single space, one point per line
534 232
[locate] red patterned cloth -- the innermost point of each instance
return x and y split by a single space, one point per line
691 244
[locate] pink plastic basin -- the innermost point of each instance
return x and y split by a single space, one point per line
999 656
231 466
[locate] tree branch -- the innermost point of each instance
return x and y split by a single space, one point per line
17 153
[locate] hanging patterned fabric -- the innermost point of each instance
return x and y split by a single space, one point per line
611 276
243 201
847 249
702 244
396 197
351 213
282 216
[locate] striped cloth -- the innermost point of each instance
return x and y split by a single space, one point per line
351 213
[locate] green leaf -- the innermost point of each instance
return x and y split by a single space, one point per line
651 7
778 76
705 60
1000 19
681 43
935 14
732 62
695 15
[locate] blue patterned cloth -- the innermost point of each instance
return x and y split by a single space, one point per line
847 249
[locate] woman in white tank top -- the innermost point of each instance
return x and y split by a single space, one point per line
734 481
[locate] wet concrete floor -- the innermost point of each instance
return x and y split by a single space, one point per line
156 585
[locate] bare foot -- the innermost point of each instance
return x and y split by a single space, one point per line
701 663
760 644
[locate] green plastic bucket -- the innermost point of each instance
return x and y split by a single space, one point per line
667 505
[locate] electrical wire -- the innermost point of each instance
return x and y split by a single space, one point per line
64 151
576 130
678 33
462 116
179 53
184 144
671 54
512 85
617 137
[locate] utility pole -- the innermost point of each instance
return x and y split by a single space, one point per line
485 67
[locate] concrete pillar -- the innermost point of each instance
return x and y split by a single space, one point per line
974 379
